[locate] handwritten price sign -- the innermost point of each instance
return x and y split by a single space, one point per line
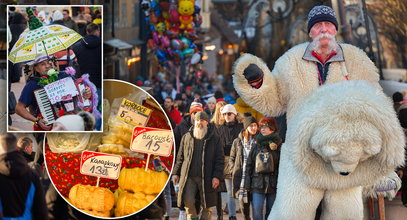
133 113
152 141
100 165
60 88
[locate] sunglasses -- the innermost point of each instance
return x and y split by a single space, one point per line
228 114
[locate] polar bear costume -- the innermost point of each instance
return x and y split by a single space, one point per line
344 136
340 137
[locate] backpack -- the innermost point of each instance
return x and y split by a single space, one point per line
264 162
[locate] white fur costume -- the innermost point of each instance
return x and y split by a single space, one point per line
345 127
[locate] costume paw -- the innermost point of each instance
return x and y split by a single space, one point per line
250 69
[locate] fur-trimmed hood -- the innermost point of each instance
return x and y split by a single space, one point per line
345 118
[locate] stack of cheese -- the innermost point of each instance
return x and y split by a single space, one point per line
137 189
97 201
119 133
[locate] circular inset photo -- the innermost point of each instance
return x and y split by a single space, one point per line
118 172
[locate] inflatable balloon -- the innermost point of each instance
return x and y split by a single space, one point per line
195 58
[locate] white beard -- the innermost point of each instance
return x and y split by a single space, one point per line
200 131
316 45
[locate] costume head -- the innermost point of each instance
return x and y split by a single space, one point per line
321 13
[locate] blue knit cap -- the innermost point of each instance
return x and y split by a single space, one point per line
321 13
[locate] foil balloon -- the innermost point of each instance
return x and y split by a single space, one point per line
195 58
185 42
188 52
176 44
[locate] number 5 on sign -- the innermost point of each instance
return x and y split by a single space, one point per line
152 141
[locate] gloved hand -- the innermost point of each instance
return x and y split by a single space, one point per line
254 75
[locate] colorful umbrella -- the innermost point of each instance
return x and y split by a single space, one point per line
41 39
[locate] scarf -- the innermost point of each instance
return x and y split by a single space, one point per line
265 141
247 146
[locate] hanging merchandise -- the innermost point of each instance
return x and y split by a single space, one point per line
173 25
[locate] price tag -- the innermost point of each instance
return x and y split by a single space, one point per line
100 164
133 113
152 141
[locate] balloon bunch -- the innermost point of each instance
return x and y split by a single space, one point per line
173 27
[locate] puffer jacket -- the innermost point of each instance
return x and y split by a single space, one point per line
212 164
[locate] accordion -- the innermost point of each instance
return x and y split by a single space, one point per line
49 110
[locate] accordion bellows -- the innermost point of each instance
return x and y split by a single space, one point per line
102 199
139 180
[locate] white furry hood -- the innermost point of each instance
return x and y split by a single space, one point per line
345 112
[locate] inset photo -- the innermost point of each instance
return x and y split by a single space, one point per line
121 171
55 68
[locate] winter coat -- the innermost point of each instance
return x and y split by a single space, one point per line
294 78
228 133
175 115
257 182
17 180
236 163
71 24
181 129
89 53
212 164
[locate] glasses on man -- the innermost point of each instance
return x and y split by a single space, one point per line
228 114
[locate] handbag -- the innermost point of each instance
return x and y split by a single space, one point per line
264 163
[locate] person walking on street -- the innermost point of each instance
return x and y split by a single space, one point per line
68 22
21 192
239 153
229 131
25 146
262 168
199 167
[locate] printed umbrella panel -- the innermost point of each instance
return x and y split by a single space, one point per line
46 39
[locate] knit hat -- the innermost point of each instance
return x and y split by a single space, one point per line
248 120
8 143
321 13
228 108
195 107
201 116
211 100
269 122
57 15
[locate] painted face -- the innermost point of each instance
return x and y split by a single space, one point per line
42 67
323 27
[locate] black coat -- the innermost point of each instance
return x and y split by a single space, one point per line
181 129
228 133
261 183
89 53
212 163
15 180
